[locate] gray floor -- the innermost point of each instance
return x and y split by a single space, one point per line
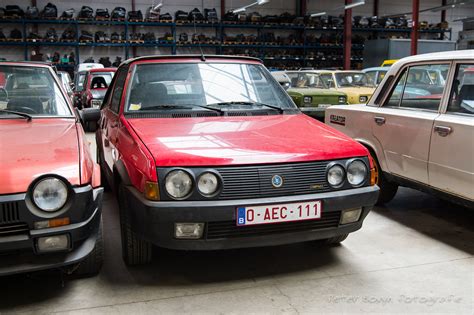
414 255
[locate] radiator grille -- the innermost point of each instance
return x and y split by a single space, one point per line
9 212
256 181
13 229
229 229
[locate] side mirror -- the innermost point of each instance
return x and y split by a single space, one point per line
89 118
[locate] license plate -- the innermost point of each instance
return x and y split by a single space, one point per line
276 213
324 105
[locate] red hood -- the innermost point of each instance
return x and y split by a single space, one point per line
242 140
31 149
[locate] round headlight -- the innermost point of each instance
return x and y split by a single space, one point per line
178 184
356 172
208 183
50 194
336 175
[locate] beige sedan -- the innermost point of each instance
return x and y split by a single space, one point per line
420 140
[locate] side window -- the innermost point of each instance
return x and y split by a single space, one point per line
380 76
327 78
118 89
420 87
462 93
371 75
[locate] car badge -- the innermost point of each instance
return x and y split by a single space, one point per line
277 181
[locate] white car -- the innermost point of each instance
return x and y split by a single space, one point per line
420 141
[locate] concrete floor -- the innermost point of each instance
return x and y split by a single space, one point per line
415 255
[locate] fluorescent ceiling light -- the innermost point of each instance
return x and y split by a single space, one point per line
353 5
242 9
262 2
318 14
258 2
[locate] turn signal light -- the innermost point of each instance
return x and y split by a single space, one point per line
373 176
51 223
152 191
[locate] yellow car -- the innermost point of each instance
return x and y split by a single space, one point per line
356 84
388 62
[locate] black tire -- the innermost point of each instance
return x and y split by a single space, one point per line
388 190
135 250
336 239
91 265
103 177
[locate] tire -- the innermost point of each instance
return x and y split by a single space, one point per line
91 265
336 239
388 190
103 177
135 250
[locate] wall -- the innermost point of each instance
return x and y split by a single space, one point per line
274 7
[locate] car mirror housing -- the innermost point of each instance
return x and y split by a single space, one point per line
89 115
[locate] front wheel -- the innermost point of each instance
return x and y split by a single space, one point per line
135 250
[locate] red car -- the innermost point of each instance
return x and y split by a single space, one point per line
211 153
90 93
50 194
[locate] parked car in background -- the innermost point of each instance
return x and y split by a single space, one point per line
88 66
211 153
94 86
67 83
282 78
376 74
424 142
356 84
50 194
311 94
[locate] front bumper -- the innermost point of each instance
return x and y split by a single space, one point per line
154 221
18 253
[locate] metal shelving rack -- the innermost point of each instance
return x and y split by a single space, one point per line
259 48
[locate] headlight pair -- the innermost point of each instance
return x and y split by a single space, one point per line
50 194
356 174
179 184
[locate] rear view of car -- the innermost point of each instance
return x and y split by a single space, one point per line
50 195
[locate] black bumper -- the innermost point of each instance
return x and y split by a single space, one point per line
154 221
18 253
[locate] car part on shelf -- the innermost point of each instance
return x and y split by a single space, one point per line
101 36
136 16
152 14
68 14
69 34
287 18
16 34
118 13
211 15
51 35
13 11
32 12
181 16
195 15
50 11
230 17
254 17
183 37
86 36
32 36
149 37
166 18
86 13
102 14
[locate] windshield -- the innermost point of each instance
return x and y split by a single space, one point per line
101 80
203 84
79 86
345 79
306 80
31 90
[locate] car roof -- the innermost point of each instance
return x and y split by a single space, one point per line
101 70
375 69
41 64
332 71
192 56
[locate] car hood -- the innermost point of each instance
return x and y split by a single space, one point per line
314 92
357 90
98 93
211 141
31 149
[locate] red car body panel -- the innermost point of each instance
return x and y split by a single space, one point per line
41 146
242 140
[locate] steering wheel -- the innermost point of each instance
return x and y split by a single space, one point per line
27 110
3 94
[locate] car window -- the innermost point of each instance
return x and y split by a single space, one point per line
100 80
32 90
380 76
118 89
187 84
328 80
306 80
371 75
420 87
462 93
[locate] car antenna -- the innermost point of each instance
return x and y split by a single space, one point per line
203 58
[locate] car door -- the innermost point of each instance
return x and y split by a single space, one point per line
111 119
403 126
451 160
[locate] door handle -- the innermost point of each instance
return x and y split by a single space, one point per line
379 120
443 131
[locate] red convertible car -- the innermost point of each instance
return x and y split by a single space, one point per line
209 152
50 194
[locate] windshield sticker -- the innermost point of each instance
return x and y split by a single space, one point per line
135 107
338 120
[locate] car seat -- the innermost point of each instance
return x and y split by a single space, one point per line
18 104
98 83
155 94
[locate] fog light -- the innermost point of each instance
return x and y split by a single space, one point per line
188 230
53 243
350 215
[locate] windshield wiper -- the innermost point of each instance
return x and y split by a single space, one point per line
25 115
187 106
279 109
